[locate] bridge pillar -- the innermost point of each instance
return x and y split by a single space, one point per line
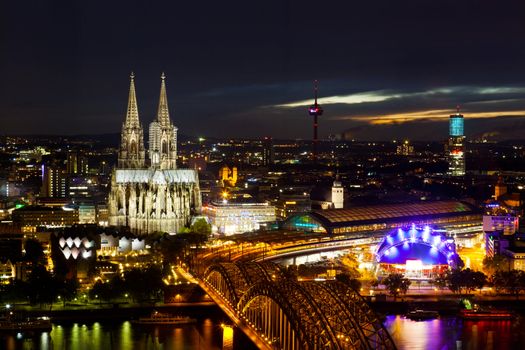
227 337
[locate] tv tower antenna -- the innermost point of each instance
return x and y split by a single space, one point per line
315 111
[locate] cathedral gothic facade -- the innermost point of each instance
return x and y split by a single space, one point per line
149 194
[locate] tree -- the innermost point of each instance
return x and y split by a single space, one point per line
351 265
493 264
171 248
458 280
396 283
16 291
478 280
454 280
353 283
201 226
34 252
441 281
102 290
42 287
144 283
512 282
67 289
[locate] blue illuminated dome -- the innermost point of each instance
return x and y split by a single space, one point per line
424 244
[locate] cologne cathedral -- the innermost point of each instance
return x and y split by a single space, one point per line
148 193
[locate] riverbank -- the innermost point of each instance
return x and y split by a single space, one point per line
448 306
120 311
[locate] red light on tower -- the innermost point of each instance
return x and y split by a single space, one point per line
315 111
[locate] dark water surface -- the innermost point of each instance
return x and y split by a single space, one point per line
206 334
448 333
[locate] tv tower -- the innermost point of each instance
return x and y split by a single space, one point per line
315 110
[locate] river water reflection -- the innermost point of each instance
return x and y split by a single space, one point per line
122 335
446 333
452 333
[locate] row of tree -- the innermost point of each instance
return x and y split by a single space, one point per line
139 284
461 280
45 288
41 287
464 281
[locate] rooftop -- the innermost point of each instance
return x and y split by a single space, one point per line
393 212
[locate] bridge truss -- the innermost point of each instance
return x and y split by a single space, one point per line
287 314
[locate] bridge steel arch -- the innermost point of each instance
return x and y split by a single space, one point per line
227 280
286 314
355 322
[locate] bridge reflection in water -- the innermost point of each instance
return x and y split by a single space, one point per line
278 312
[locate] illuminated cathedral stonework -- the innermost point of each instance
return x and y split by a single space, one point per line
151 195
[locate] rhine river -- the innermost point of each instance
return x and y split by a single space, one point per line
446 333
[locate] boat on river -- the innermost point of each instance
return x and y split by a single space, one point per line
17 324
159 318
474 312
420 315
486 314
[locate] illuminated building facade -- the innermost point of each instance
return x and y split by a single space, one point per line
456 145
227 176
416 252
54 181
31 217
507 224
77 163
230 218
338 195
268 153
155 198
405 149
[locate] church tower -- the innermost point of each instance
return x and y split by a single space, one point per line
338 194
132 154
163 135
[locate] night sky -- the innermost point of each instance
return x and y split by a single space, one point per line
387 69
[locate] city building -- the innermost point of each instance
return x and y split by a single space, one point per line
31 217
77 163
87 213
507 224
405 149
456 145
228 218
338 195
54 181
268 153
155 198
293 201
102 215
386 216
228 176
516 256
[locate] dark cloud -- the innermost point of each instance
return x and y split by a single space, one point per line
64 64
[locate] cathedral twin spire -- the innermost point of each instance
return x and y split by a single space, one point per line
132 115
163 115
162 135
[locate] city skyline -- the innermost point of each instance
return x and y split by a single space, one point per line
384 72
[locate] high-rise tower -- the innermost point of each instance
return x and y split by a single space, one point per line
131 154
163 135
456 145
315 110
